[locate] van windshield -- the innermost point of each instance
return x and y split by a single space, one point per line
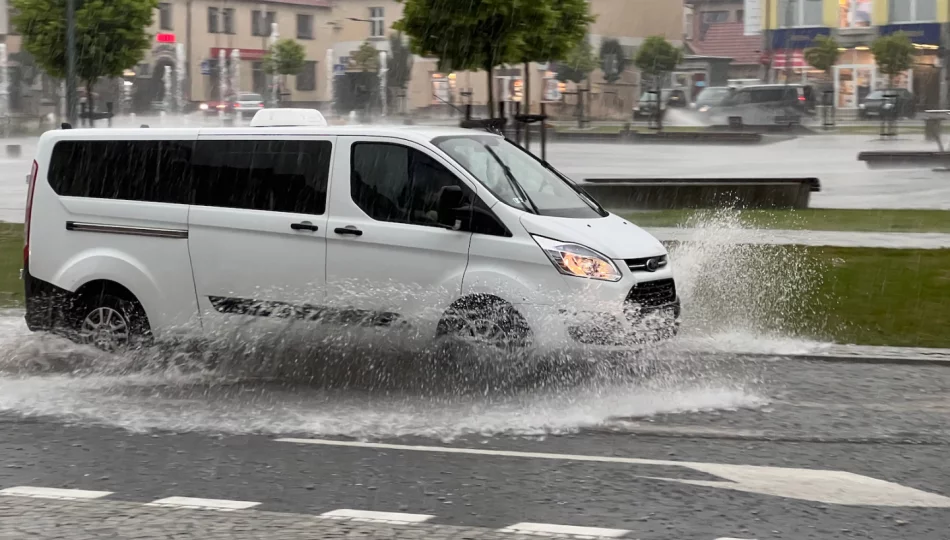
519 179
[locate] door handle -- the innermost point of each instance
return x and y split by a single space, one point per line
349 229
304 226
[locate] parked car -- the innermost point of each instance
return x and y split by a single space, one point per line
766 104
134 235
647 105
878 101
246 104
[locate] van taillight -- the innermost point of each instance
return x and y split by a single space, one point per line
29 214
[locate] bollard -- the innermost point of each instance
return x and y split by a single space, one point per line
13 150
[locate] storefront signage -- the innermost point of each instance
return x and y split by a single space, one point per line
797 38
246 54
922 34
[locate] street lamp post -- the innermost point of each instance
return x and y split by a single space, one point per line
71 62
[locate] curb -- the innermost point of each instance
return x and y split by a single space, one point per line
942 360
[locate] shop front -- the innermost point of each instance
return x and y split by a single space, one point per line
923 80
788 54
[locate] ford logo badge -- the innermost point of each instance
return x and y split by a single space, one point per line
652 265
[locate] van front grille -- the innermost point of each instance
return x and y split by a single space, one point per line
643 264
651 294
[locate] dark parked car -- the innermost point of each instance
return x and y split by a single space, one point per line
646 107
879 101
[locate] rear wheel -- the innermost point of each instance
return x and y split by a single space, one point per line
110 323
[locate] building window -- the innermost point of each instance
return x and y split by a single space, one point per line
258 78
854 13
261 23
213 20
792 13
912 11
307 78
304 26
165 16
377 22
11 28
710 17
228 19
740 15
688 25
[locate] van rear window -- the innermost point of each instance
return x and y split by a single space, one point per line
154 171
272 175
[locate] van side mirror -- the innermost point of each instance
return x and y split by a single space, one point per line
450 215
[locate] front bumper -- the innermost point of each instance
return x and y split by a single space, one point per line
651 312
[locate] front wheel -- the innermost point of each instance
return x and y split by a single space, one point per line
111 324
488 323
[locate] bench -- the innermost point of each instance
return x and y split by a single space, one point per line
672 193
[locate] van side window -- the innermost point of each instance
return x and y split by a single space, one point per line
152 171
396 183
271 175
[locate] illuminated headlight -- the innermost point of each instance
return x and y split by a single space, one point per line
577 260
203 106
704 108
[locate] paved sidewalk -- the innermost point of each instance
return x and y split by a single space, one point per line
808 238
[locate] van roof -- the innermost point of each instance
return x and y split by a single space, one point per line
413 133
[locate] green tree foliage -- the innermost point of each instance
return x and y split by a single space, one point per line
111 36
567 22
613 62
399 63
824 55
476 34
656 57
285 57
366 58
578 64
894 54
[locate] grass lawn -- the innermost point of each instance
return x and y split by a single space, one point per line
812 219
867 296
896 297
11 260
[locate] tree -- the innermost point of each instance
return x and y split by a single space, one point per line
824 55
399 63
366 58
570 23
285 57
472 35
655 58
578 63
894 55
110 36
613 62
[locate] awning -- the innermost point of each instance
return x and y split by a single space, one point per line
797 58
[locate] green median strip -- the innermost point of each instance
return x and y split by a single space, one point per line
812 219
895 297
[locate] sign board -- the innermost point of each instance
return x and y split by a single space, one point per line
919 33
165 38
552 90
753 17
205 67
797 38
339 70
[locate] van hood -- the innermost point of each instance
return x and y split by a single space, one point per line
613 236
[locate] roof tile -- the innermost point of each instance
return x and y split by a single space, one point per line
729 39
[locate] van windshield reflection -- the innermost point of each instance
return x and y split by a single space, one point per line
517 178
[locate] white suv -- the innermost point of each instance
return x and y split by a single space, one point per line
156 233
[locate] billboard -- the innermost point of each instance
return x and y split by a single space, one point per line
753 17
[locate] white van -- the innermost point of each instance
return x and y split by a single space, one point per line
163 233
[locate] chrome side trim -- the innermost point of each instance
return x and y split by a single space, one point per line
124 229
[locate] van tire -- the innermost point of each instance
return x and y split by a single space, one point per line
110 323
487 320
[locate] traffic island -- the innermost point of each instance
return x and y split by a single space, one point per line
893 159
625 194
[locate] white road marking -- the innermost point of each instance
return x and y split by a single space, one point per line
53 493
727 538
382 517
550 529
203 504
817 485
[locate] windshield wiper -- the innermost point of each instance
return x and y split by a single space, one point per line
513 181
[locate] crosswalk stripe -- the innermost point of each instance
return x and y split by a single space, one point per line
367 515
203 504
53 493
551 529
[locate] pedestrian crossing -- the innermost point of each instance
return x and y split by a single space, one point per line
545 530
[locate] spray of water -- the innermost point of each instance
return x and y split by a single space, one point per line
357 382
